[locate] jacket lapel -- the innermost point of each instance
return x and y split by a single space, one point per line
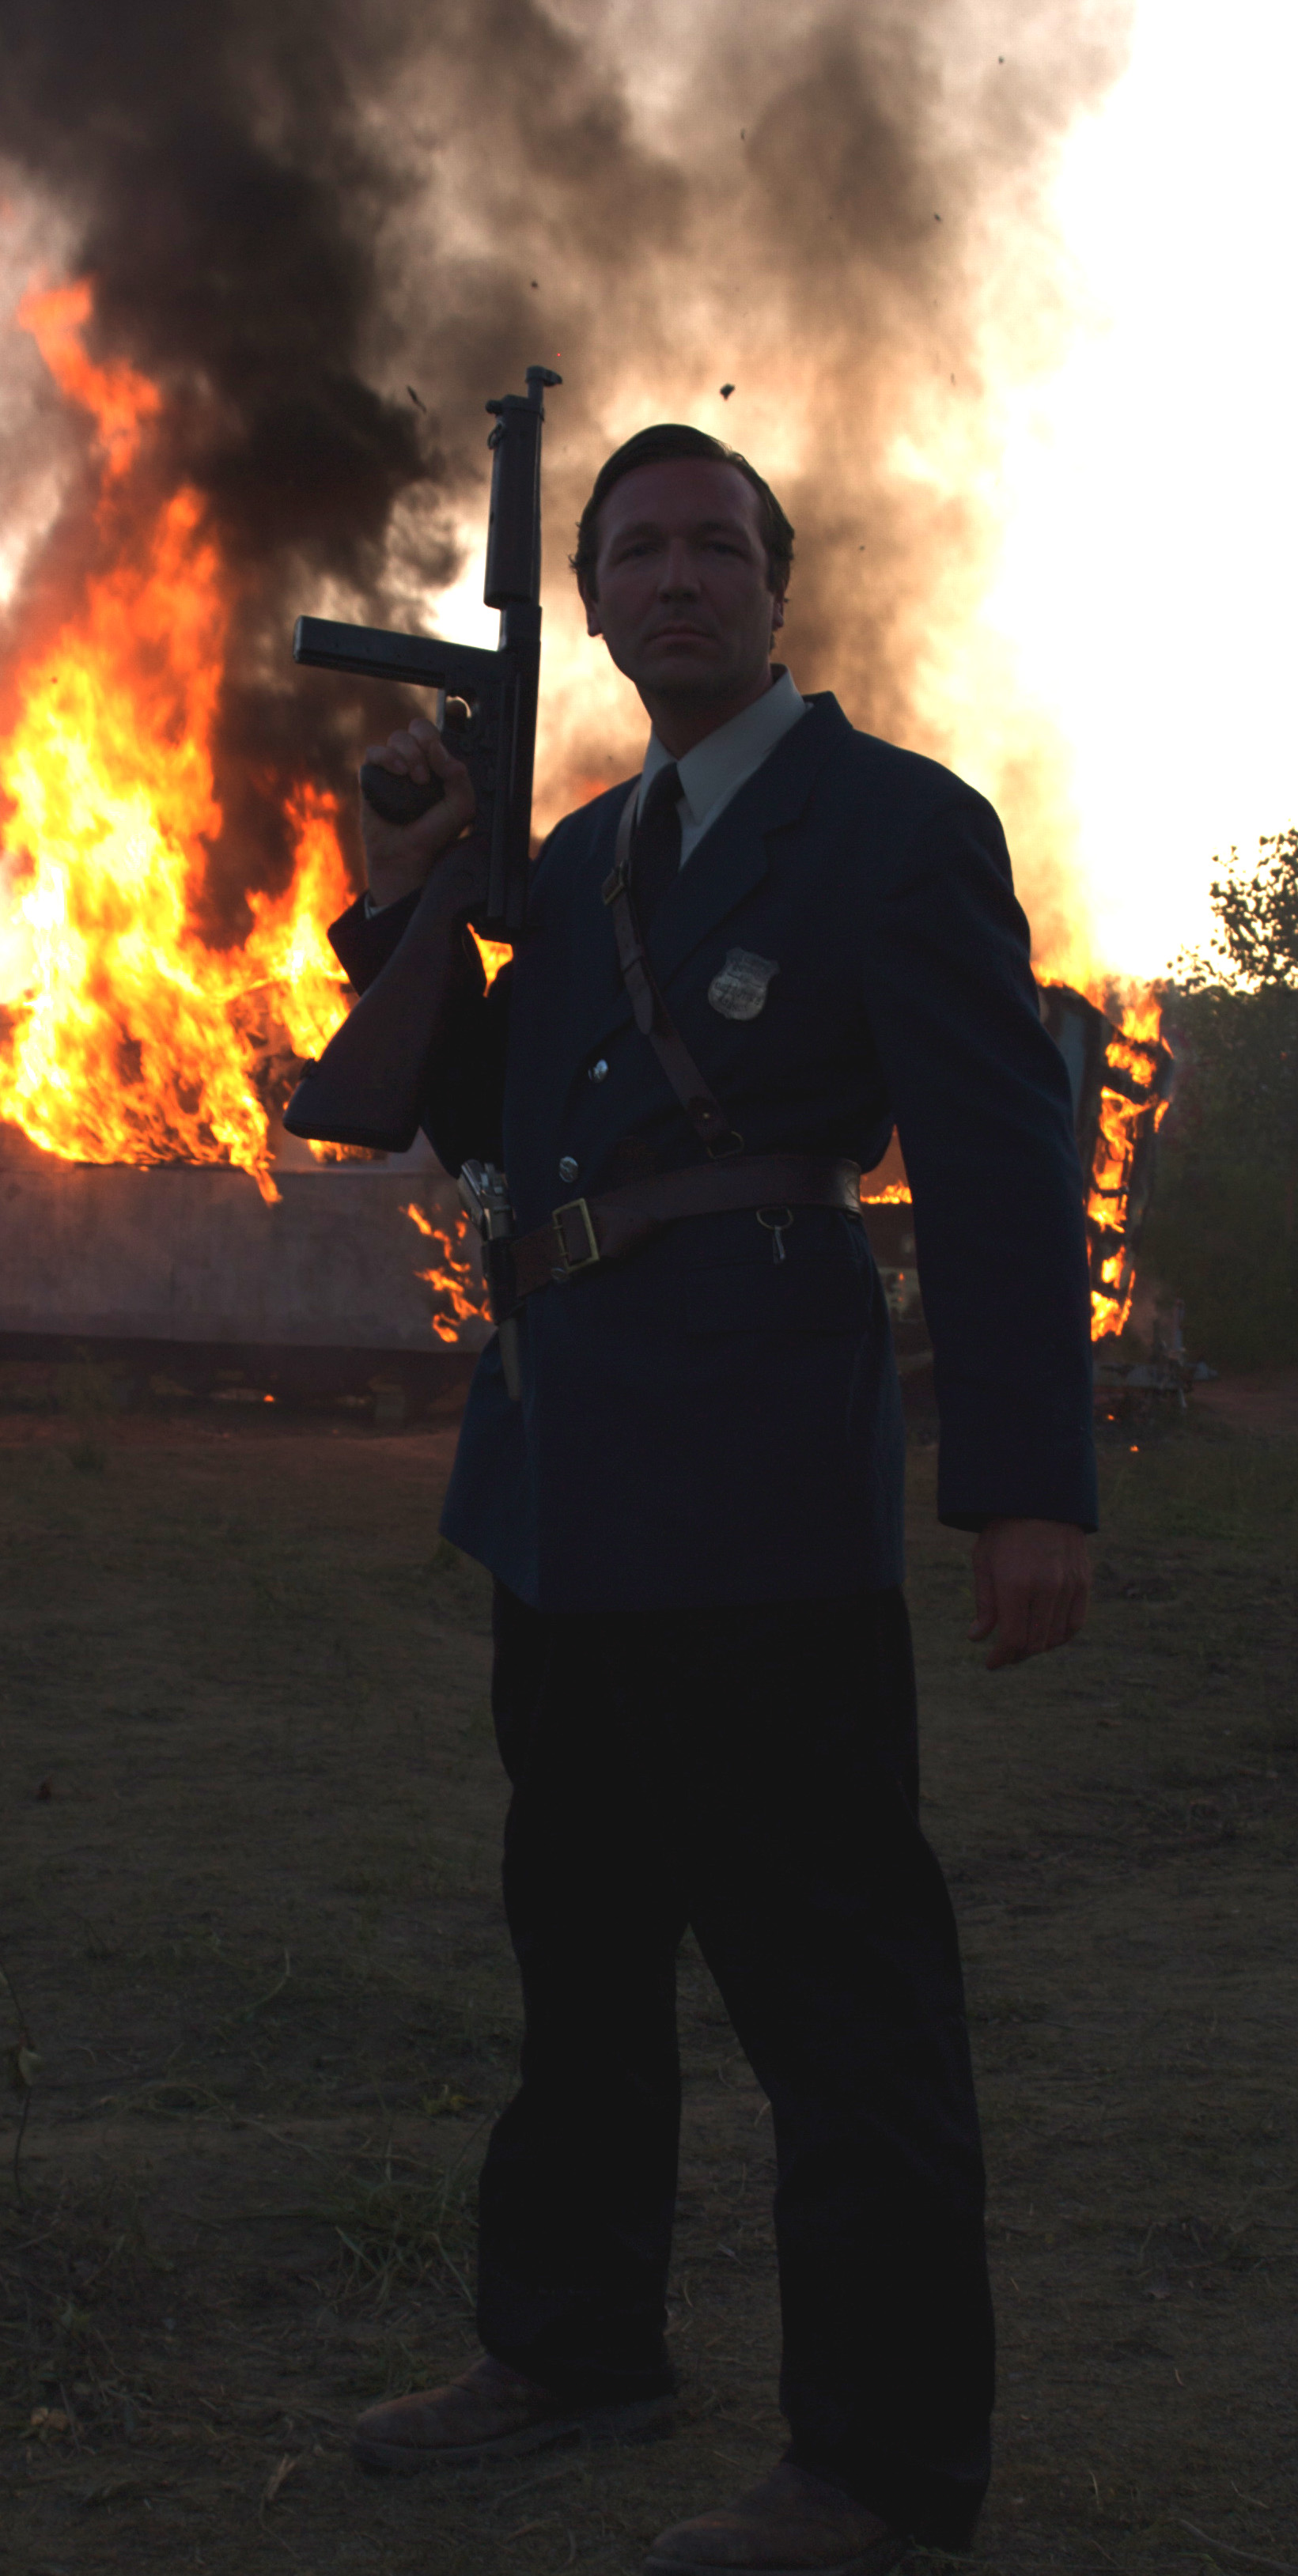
732 858
729 861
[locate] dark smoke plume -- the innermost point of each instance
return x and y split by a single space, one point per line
290 214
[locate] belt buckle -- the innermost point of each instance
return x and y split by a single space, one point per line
566 1266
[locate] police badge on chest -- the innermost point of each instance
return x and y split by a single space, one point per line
739 988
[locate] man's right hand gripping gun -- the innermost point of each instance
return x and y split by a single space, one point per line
367 1087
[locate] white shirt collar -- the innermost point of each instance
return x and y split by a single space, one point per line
719 765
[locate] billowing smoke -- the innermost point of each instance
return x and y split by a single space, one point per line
292 215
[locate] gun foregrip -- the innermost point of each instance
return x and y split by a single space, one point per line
395 799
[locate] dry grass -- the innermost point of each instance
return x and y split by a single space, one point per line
255 1931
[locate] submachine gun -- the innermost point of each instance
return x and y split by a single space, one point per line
366 1087
497 739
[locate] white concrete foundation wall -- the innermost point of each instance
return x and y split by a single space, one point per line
187 1253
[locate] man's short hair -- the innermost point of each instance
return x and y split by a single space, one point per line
653 447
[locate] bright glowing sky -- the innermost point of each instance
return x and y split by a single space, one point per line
1148 586
1150 575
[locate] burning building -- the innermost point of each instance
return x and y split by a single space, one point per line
151 1197
1120 1073
1121 1079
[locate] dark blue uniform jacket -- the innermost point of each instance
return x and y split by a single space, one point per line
702 1424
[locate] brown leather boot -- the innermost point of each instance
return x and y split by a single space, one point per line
489 2413
791 2525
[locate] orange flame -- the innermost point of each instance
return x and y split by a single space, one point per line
494 953
1134 1049
452 1277
288 942
1123 1122
118 399
134 1040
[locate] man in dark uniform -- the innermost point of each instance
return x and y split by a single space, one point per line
703 1685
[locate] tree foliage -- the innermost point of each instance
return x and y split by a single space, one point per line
1255 904
1223 1231
1237 1007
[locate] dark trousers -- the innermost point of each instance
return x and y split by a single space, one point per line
751 1773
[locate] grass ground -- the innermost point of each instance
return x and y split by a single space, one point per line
249 1909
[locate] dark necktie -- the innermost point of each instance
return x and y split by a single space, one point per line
656 844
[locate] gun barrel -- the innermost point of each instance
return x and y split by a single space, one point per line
514 529
513 575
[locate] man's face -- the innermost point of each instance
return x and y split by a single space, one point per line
682 591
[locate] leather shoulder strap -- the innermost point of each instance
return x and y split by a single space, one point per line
652 1017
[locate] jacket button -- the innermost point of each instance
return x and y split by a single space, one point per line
567 1168
598 1069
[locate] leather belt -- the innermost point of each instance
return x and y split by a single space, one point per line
585 1232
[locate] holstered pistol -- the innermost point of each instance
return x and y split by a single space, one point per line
484 1196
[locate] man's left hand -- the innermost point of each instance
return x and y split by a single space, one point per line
1032 1584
